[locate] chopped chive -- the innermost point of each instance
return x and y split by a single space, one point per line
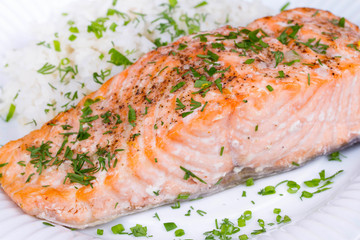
185 114
10 113
308 76
270 88
202 109
156 216
279 57
201 4
221 150
201 212
48 224
131 116
249 61
188 174
57 46
284 7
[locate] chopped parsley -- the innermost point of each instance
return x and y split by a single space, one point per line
279 57
335 156
139 231
315 46
118 59
286 35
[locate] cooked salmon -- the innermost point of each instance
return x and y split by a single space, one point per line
194 117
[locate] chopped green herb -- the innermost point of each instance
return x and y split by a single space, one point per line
270 88
29 178
353 46
21 163
316 47
118 59
291 62
221 150
139 231
170 226
176 205
313 183
341 22
285 6
10 113
188 174
281 74
47 69
179 233
223 231
183 196
308 76
177 87
249 182
218 84
57 46
279 57
335 156
72 37
185 114
118 229
284 36
202 109
182 46
131 116
100 232
97 27
194 104
268 190
201 4
295 164
201 212
306 194
249 61
156 216
243 237
48 224
293 187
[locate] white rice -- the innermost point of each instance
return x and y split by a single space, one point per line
38 102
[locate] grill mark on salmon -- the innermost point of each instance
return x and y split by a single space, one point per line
312 110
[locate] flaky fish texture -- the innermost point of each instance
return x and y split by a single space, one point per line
192 118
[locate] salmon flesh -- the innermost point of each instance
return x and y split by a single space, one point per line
192 118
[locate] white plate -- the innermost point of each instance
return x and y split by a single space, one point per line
333 214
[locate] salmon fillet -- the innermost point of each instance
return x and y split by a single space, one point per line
192 118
